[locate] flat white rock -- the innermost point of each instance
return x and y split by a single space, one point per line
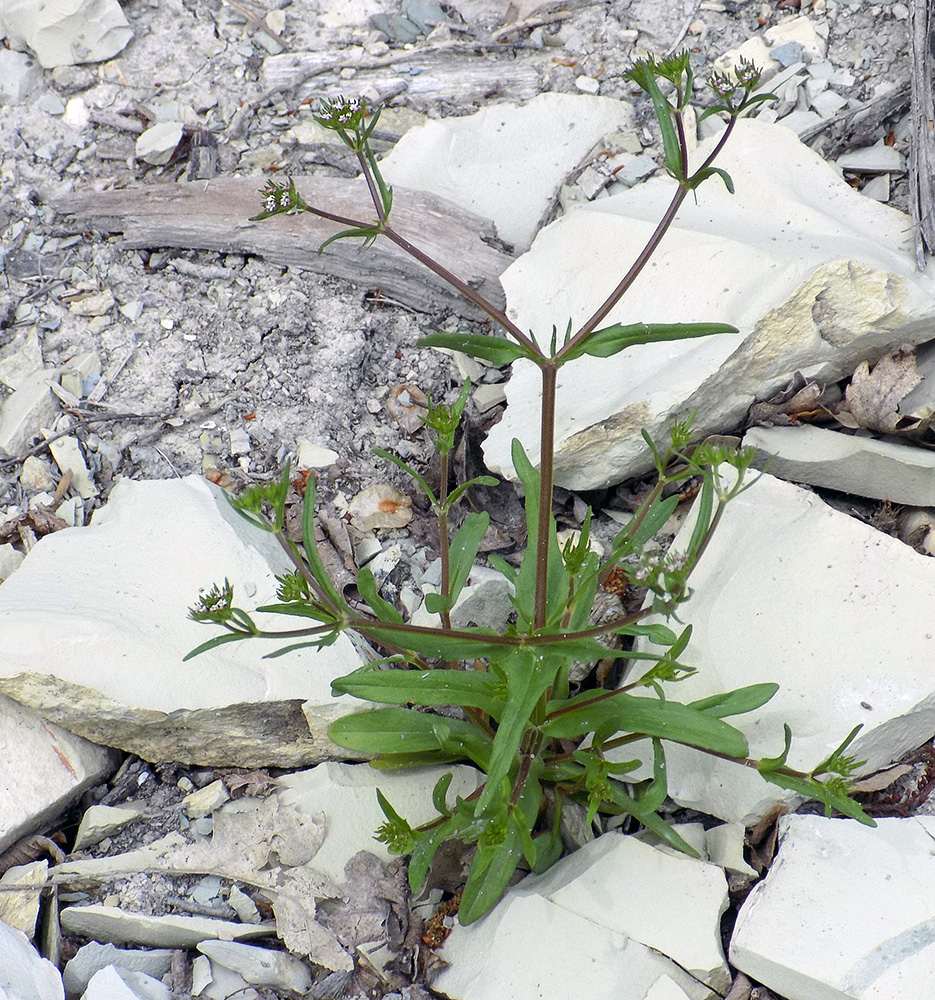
792 591
99 822
95 625
22 414
669 902
118 984
110 923
572 958
24 975
815 277
157 144
885 469
260 966
506 162
66 32
93 957
845 913
45 769
346 794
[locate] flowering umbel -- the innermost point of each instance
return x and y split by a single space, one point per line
279 199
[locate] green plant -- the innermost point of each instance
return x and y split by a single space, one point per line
537 741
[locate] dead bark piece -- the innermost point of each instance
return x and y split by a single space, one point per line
215 216
922 145
30 849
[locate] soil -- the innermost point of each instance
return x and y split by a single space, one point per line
199 346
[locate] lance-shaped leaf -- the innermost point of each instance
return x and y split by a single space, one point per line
367 585
493 349
473 688
667 720
832 793
528 677
462 553
737 702
393 731
498 853
612 339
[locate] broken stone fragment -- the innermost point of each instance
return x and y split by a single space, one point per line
573 958
157 144
69 458
30 406
66 32
668 902
845 912
114 983
815 276
23 974
798 579
310 455
93 957
876 159
99 822
98 646
864 466
21 909
276 970
45 769
110 923
205 800
481 161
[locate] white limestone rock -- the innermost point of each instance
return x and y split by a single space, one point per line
23 412
95 625
346 795
865 466
93 957
276 970
792 591
845 913
205 800
572 958
99 822
815 276
110 923
21 909
45 769
157 144
671 903
23 974
118 984
483 162
19 75
66 32
724 846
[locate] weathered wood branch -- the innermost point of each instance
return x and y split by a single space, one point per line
215 216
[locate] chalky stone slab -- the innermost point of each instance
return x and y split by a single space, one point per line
815 277
791 591
845 913
96 627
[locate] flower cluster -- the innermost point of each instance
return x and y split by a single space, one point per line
277 198
342 114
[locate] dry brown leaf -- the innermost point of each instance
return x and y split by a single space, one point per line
30 849
872 398
40 521
882 779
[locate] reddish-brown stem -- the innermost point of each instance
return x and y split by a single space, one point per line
546 477
443 545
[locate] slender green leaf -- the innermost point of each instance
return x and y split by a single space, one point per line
367 233
440 792
409 470
367 586
528 677
462 553
668 720
325 639
700 176
493 865
832 796
218 640
312 557
473 688
651 820
437 643
612 339
493 349
459 491
393 731
745 699
301 609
